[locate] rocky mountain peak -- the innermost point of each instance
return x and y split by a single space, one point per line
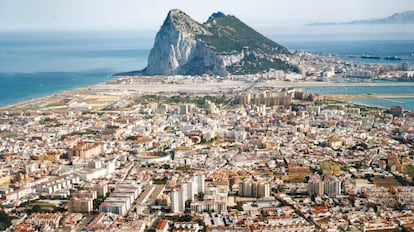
221 46
183 23
216 15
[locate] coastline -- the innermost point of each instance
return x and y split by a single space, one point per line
197 86
25 103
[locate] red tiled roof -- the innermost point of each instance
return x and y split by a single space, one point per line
162 225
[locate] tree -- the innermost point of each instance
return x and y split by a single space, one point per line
5 220
166 166
188 203
239 206
37 208
200 196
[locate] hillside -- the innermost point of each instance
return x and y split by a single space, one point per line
223 45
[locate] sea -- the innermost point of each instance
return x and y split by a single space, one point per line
352 50
37 64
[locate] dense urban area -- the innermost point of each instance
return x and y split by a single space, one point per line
209 154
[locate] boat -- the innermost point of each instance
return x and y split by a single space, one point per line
392 58
370 57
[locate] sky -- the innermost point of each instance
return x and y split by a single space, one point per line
29 15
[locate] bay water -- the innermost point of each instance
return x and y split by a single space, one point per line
36 64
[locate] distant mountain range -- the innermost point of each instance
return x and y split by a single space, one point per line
406 17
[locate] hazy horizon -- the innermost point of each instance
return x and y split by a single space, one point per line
131 15
280 34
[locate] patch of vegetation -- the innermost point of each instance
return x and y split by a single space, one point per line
410 171
182 218
132 137
230 34
200 101
176 99
97 202
184 168
38 207
261 65
5 220
160 181
52 105
150 98
200 196
166 166
197 100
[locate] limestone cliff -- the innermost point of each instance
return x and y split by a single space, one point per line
220 46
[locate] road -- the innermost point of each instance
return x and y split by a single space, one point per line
297 211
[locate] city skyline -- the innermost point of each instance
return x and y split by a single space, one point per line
20 15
